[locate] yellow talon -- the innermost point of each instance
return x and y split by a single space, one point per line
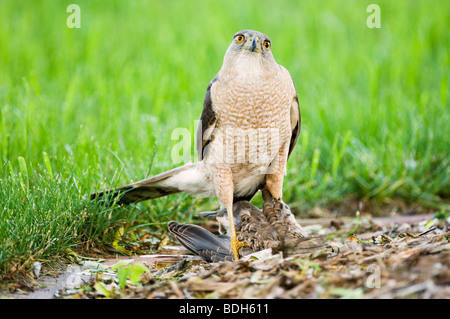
235 246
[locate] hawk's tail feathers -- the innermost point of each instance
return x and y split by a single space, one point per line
188 178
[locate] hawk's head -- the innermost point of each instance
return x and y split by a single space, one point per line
249 50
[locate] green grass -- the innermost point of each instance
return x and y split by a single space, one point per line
92 108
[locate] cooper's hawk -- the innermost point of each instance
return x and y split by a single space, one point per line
249 126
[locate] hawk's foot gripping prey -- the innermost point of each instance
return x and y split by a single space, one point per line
235 245
256 229
249 126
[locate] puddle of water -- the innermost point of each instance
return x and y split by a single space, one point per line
75 275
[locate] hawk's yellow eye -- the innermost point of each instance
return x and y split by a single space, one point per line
267 44
239 38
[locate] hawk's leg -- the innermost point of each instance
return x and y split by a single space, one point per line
223 181
275 173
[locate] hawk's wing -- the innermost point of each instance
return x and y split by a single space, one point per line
207 123
295 124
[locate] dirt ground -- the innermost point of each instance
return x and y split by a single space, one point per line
359 256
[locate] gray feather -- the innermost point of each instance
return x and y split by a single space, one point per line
201 242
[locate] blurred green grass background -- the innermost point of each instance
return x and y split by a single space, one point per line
93 108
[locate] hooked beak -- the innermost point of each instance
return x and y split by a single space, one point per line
252 46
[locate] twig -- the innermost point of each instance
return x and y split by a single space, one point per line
30 258
356 225
380 255
176 289
427 231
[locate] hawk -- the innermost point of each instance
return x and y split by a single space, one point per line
249 126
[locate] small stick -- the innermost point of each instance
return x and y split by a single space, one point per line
176 289
427 231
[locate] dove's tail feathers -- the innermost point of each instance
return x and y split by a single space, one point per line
189 178
201 242
305 246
